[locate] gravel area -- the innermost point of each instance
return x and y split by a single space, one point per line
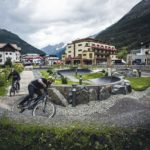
119 110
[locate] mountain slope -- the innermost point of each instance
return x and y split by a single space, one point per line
8 37
56 49
131 30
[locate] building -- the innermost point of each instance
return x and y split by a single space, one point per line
28 59
52 59
11 51
87 51
140 56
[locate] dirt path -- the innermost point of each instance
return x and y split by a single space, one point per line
120 110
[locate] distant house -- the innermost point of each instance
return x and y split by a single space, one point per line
52 59
11 51
140 56
31 59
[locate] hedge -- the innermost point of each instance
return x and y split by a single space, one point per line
24 136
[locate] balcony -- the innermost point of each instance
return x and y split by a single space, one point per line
103 48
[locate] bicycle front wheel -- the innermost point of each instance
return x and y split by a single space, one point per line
47 109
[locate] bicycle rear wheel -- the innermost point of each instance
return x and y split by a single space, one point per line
47 109
17 88
12 92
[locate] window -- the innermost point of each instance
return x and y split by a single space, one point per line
69 51
0 55
87 44
84 54
80 55
6 53
90 55
0 60
79 44
93 44
11 53
69 46
79 50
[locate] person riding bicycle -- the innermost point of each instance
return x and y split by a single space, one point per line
15 77
36 87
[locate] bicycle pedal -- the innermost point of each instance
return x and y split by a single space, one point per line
22 110
19 106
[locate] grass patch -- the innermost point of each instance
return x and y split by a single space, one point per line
59 82
140 84
78 136
44 73
91 76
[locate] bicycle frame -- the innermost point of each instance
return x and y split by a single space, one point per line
35 101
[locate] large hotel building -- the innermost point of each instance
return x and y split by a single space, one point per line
87 51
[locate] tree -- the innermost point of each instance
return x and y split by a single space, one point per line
146 53
122 54
8 62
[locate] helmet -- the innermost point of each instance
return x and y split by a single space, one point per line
50 78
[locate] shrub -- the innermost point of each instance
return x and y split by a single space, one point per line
18 136
18 67
8 62
64 80
106 74
103 71
50 71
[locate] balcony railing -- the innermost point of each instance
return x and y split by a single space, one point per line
103 48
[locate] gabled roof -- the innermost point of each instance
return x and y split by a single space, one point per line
13 45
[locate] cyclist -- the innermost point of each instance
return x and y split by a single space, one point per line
15 77
36 87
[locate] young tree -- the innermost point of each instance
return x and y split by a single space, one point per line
8 62
122 54
146 54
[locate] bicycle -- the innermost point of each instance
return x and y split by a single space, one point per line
40 106
14 88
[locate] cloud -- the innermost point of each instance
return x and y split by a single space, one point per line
43 22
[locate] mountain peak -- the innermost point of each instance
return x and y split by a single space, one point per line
56 49
9 37
131 29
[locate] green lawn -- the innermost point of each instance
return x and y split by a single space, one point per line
58 82
140 84
45 74
91 76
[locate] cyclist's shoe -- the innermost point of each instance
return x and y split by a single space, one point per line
22 110
19 106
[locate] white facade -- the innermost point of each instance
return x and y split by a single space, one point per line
52 60
31 59
11 51
140 55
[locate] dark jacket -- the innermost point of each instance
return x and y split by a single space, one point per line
38 85
15 75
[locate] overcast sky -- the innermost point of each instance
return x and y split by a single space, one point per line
43 22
